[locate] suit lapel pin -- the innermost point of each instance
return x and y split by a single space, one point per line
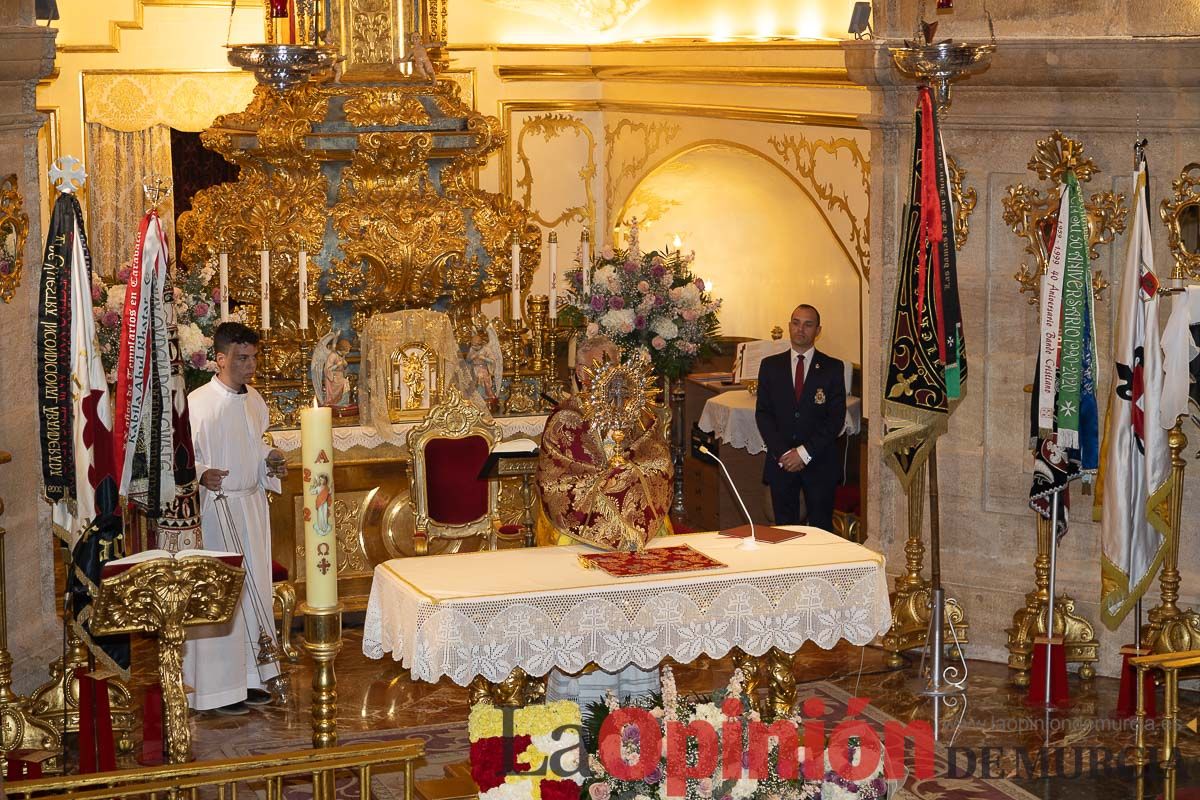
819 397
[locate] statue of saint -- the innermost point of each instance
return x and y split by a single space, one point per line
485 362
329 370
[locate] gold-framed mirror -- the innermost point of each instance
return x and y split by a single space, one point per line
14 229
1181 215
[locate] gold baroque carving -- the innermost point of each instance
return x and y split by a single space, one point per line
385 106
550 126
965 201
1033 216
372 34
801 154
655 135
1187 196
14 230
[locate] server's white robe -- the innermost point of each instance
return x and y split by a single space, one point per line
220 661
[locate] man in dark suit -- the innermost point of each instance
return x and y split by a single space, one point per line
800 413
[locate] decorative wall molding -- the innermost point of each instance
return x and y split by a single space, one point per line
550 126
753 76
654 136
800 153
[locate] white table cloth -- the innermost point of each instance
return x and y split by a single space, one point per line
472 614
730 415
359 436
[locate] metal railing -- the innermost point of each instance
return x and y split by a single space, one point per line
220 779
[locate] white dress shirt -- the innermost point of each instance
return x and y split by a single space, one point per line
808 362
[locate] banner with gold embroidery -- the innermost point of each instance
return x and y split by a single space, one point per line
928 366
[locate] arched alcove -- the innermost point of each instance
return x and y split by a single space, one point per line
760 240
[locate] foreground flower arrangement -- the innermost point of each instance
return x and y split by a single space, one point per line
651 303
197 314
655 748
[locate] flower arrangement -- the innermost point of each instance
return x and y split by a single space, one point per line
651 303
542 740
197 314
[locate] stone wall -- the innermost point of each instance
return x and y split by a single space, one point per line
26 54
1098 91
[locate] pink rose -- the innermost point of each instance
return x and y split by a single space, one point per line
96 292
631 266
111 320
658 342
216 294
201 309
593 329
123 275
199 359
178 294
689 314
97 312
643 287
599 791
705 787
607 253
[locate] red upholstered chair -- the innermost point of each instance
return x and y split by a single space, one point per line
448 451
846 503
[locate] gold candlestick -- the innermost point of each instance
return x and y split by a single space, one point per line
323 641
538 306
15 717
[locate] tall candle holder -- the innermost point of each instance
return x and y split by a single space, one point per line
323 641
306 394
538 311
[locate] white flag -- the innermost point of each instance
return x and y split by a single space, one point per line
1178 352
1135 463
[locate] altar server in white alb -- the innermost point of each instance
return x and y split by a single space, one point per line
229 417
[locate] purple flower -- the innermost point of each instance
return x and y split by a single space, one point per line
597 303
111 320
123 275
216 294
96 293
699 283
199 359
201 309
658 270
639 322
631 266
660 300
616 303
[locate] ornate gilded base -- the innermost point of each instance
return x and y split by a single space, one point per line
910 621
1029 622
56 702
20 730
284 593
771 671
518 689
1176 633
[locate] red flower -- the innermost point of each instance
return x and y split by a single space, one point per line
487 760
560 790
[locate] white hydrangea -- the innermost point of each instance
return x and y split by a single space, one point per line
686 296
191 340
743 788
206 274
665 328
618 320
707 712
606 278
115 301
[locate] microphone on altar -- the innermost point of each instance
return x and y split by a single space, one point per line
752 542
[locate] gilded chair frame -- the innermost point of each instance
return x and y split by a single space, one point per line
453 418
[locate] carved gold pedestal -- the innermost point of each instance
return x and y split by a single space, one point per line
323 641
56 702
771 671
518 689
1171 629
1029 622
163 596
911 599
19 729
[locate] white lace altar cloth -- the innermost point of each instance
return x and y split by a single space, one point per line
730 415
470 614
358 436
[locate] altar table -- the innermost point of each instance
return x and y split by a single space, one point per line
485 614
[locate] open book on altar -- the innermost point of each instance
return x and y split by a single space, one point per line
119 565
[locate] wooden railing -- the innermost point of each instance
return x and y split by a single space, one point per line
221 779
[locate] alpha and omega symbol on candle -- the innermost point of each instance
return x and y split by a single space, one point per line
323 552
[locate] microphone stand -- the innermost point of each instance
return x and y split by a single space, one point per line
745 544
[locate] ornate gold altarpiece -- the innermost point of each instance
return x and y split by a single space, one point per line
372 172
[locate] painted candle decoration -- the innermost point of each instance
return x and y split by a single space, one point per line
264 263
223 283
320 539
516 278
553 247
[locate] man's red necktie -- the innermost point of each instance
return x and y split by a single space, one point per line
799 377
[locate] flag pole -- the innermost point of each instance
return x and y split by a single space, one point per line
1050 591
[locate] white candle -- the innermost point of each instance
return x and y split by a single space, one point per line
264 260
585 263
303 289
553 246
320 540
516 278
223 283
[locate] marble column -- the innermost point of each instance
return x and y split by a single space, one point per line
26 55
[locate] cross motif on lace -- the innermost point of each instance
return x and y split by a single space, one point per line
516 629
668 616
449 636
593 623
